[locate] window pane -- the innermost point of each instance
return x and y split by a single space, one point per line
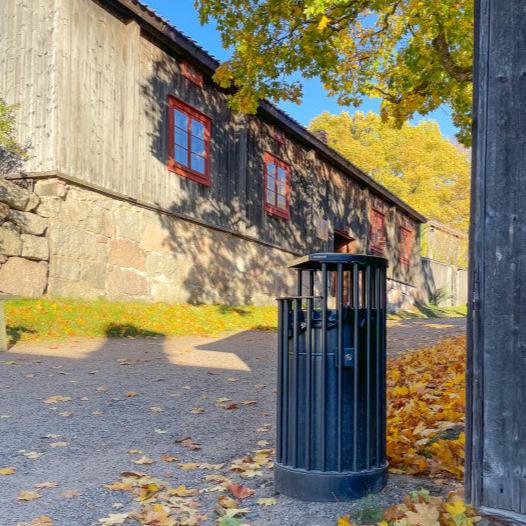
282 187
198 129
271 183
198 163
181 137
181 155
198 146
271 198
282 174
271 169
181 119
282 202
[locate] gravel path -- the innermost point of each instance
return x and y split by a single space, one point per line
84 442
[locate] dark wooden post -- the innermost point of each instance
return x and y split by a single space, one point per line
496 395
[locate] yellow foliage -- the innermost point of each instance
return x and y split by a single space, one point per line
425 416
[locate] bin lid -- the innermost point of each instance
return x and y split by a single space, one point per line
332 259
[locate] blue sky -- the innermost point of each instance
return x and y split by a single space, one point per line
182 14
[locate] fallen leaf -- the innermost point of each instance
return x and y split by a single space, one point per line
156 410
43 520
240 492
143 460
161 431
7 471
65 413
197 410
58 444
135 452
53 436
55 399
168 458
130 394
114 519
183 491
97 413
70 493
102 388
28 495
33 455
188 443
270 501
249 402
46 485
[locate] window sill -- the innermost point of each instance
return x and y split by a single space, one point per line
189 174
278 212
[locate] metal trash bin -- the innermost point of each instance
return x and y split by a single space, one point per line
331 418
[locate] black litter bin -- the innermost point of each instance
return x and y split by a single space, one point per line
331 415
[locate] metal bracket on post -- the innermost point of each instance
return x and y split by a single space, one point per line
348 356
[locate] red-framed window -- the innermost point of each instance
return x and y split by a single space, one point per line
277 180
378 234
188 71
188 141
405 242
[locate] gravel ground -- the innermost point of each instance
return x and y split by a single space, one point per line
102 423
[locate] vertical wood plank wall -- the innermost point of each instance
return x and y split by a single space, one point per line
110 85
496 440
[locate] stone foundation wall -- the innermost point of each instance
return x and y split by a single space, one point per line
63 240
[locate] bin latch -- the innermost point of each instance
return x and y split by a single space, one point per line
348 356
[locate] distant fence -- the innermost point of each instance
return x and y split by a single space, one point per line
451 280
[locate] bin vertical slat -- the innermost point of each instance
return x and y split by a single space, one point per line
356 310
368 369
339 362
285 403
322 397
383 349
295 360
378 358
308 371
279 394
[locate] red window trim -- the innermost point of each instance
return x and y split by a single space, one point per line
405 244
188 71
173 165
380 249
270 208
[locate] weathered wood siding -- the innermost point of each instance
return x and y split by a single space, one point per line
496 438
111 82
28 74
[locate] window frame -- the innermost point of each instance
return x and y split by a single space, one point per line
405 243
272 208
379 249
193 114
192 74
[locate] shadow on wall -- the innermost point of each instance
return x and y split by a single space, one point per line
212 265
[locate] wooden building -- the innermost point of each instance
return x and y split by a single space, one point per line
170 195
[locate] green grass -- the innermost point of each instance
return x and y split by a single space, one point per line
44 319
430 311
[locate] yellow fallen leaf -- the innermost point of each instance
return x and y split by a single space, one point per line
46 485
183 491
143 460
70 493
58 444
130 394
28 494
114 519
270 501
7 471
55 399
43 520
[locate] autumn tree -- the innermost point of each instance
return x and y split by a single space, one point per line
12 153
415 162
413 54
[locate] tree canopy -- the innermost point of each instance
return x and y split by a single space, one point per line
415 162
412 54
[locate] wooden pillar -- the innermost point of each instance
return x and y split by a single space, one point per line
496 389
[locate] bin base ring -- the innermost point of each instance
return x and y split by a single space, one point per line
331 486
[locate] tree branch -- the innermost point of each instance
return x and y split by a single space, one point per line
441 47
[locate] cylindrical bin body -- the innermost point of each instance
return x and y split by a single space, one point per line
331 417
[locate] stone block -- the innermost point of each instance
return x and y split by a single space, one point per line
73 242
23 277
4 211
34 247
128 222
93 274
50 187
155 238
29 223
127 254
33 202
49 206
13 195
161 264
72 289
10 240
123 284
65 269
